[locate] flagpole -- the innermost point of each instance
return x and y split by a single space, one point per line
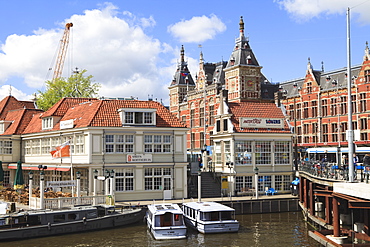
72 177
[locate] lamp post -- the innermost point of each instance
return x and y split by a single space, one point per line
230 165
256 180
107 182
42 178
78 177
30 184
295 131
95 180
111 182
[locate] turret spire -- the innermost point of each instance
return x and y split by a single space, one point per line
241 26
182 54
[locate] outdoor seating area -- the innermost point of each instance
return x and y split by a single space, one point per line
270 191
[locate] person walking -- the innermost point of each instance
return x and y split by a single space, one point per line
366 163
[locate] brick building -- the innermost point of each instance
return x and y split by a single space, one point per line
216 102
317 108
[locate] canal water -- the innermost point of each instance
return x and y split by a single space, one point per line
257 230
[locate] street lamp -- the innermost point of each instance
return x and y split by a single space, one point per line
78 177
111 173
256 180
95 180
230 165
30 184
42 178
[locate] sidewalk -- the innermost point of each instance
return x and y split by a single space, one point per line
216 199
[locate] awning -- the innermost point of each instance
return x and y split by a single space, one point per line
35 167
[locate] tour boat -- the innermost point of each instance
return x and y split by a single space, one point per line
210 217
166 221
42 223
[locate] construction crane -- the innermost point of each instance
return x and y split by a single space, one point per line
62 52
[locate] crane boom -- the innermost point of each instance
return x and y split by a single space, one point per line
62 52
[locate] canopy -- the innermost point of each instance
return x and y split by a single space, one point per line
18 180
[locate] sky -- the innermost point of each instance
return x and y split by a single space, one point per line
132 48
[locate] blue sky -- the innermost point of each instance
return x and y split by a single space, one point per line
132 47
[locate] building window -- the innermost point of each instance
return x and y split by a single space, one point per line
282 182
218 126
263 152
119 143
314 109
305 110
225 124
264 183
363 123
363 102
201 116
47 123
157 178
282 152
243 183
157 144
367 76
324 108
6 147
192 118
138 116
243 152
124 179
211 115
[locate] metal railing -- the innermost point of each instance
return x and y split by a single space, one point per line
333 171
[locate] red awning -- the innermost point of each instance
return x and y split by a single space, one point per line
35 167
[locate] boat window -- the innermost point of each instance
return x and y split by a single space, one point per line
59 217
214 216
72 216
33 220
157 221
178 221
166 219
226 215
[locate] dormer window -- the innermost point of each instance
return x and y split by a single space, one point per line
137 116
4 125
47 123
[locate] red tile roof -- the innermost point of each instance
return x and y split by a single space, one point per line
256 110
10 103
20 119
100 113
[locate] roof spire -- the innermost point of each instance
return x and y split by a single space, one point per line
241 26
182 54
367 54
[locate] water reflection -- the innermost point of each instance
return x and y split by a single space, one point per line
256 230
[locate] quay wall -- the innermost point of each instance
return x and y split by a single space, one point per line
264 205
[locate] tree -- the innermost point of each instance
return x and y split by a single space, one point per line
77 86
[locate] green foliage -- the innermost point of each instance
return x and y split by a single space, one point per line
77 86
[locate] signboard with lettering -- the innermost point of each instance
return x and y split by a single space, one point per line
66 124
266 123
134 158
67 183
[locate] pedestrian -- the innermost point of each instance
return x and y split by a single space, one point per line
366 163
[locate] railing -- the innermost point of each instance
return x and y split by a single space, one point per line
63 202
333 171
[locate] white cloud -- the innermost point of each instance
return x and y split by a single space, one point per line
110 45
198 29
304 10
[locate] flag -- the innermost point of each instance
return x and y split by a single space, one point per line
184 74
61 151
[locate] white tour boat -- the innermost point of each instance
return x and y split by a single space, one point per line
210 217
166 221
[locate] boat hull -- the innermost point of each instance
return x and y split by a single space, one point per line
212 227
104 222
